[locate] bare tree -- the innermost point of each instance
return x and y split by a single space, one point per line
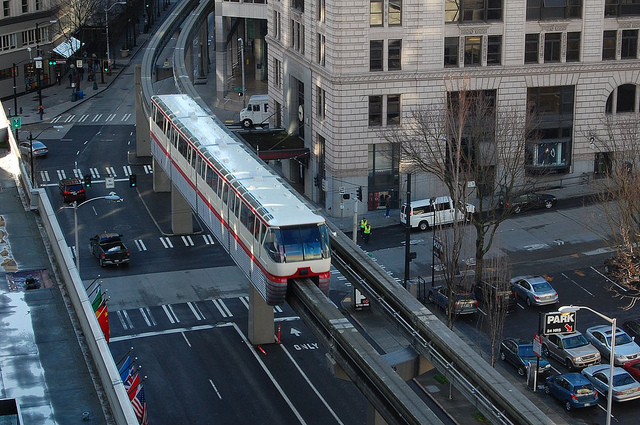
469 144
619 196
75 14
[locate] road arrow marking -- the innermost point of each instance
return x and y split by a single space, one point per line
295 332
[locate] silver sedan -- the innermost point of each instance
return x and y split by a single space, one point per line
39 148
625 349
534 290
624 386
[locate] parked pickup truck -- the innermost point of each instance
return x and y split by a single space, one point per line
109 249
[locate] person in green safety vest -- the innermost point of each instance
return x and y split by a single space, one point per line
367 232
363 224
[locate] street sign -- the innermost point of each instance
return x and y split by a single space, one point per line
537 345
16 122
360 302
438 248
110 182
559 323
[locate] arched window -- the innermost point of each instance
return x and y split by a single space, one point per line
623 98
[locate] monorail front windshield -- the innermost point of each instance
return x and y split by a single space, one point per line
292 244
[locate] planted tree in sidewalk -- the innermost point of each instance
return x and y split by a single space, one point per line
618 220
73 15
473 147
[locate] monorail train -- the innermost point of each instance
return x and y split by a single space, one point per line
269 232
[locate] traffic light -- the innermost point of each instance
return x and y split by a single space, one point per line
52 62
106 67
87 180
132 180
359 194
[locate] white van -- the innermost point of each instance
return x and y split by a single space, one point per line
256 112
426 213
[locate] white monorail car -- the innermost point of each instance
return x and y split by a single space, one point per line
269 232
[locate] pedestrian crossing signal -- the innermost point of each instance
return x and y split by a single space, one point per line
52 62
105 66
132 180
87 180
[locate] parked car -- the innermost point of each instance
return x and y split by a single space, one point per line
571 349
572 389
633 367
465 302
632 327
625 350
426 213
534 290
528 201
519 352
39 148
624 386
72 189
502 297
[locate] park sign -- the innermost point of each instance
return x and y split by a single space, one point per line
559 323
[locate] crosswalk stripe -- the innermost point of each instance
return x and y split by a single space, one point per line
111 171
222 308
70 118
77 172
148 317
125 117
83 118
110 117
140 245
61 174
44 176
245 301
56 119
208 239
148 169
127 170
96 118
94 173
166 242
196 311
187 241
168 310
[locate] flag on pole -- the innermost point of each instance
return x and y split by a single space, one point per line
97 300
131 384
103 320
139 404
126 368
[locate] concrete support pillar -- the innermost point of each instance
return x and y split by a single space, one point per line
161 182
261 323
181 214
143 139
221 51
373 417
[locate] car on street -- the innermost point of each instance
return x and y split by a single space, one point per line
528 201
465 302
625 349
39 149
495 295
573 350
633 367
632 327
519 352
534 290
624 386
573 389
72 190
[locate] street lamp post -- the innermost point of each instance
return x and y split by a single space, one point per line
573 308
33 174
110 197
244 101
106 18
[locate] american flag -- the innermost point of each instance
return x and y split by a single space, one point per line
140 405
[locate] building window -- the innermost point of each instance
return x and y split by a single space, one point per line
298 5
629 44
29 37
276 25
552 43
375 55
573 47
8 42
542 10
321 10
25 6
613 8
393 109
451 52
38 4
277 73
609 45
321 102
472 50
375 18
531 48
384 172
395 12
321 47
297 36
375 111
395 55
472 10
494 50
6 8
624 99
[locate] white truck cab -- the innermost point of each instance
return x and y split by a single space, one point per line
256 112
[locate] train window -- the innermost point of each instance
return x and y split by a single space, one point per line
199 168
232 201
303 243
326 243
273 245
225 193
173 137
182 146
247 218
219 188
193 158
160 121
212 179
238 202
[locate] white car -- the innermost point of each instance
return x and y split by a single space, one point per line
625 350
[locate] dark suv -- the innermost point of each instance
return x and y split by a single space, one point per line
72 190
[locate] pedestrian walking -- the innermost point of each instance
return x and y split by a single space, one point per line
387 204
367 232
58 78
41 111
363 224
70 79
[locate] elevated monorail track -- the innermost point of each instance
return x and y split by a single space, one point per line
495 397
